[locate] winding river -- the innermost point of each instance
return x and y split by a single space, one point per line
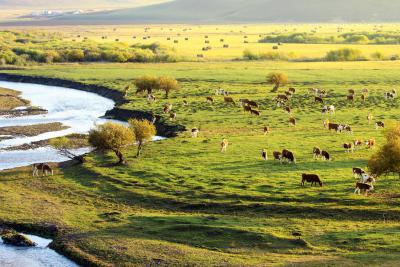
76 109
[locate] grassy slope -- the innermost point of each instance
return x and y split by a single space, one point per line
186 203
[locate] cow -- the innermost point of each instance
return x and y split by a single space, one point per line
195 132
229 100
348 147
379 124
166 109
185 103
292 90
370 143
224 145
277 155
367 179
172 116
244 101
287 110
358 172
350 98
252 104
325 155
365 91
351 92
311 178
363 98
288 156
330 109
363 187
316 152
357 143
264 154
209 100
332 126
43 167
388 95
247 109
282 98
288 94
254 112
318 99
346 128
266 130
292 122
151 98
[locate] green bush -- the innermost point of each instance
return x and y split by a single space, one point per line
345 54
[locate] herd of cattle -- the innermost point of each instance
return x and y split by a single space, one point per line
283 101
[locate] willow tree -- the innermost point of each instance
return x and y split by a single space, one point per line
386 160
146 84
168 84
277 79
65 146
112 136
143 130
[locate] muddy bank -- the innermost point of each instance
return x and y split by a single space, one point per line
32 130
163 128
23 112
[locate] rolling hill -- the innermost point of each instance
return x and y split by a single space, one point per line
249 11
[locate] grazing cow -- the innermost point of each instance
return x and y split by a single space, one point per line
370 117
330 109
229 100
351 92
277 155
379 124
288 156
311 178
252 104
43 167
363 187
166 109
209 100
316 152
247 109
292 90
282 98
172 116
350 98
254 112
287 110
346 128
325 155
358 172
388 95
195 132
244 101
266 130
370 143
318 99
224 145
348 147
357 143
332 126
292 122
151 98
264 154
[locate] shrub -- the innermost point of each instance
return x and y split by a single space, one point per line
345 54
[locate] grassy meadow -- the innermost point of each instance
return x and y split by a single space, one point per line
184 203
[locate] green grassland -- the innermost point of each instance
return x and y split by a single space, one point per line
186 204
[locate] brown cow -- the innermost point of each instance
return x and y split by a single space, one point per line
229 100
283 98
292 122
166 109
348 147
311 178
379 124
246 109
292 90
350 98
277 155
351 92
370 143
267 130
252 104
363 187
289 156
318 99
254 112
209 99
325 155
43 167
287 110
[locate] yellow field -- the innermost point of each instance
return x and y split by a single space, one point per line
232 35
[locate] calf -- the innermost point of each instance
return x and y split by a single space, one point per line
311 178
348 147
277 155
379 124
292 121
288 156
229 100
363 187
370 143
358 172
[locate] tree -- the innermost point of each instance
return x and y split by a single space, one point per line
146 83
387 160
64 145
278 79
168 84
143 130
112 136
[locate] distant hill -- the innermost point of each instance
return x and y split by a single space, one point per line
245 11
239 11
